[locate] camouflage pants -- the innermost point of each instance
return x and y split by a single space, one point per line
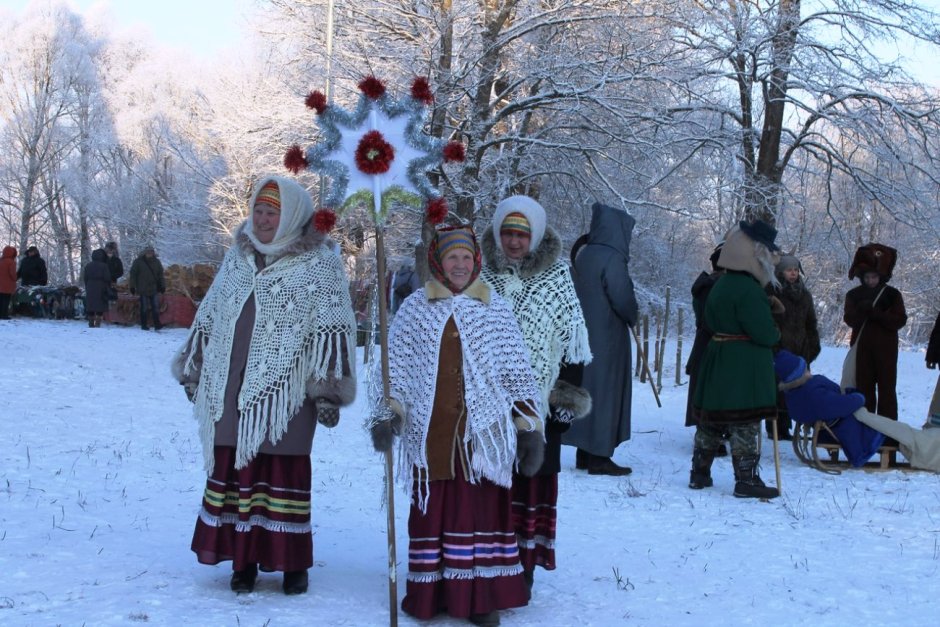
743 436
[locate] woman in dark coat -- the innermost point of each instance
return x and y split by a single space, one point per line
737 388
97 284
605 289
799 332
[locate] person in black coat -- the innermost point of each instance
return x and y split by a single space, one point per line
32 270
97 286
875 312
115 265
799 330
933 346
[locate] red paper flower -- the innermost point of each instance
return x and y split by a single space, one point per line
324 219
420 90
374 155
454 151
436 210
372 87
294 160
316 100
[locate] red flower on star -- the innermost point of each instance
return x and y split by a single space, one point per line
374 155
316 100
372 87
294 160
324 219
436 210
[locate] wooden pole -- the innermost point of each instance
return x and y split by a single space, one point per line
662 343
389 465
679 347
646 351
657 364
776 455
645 366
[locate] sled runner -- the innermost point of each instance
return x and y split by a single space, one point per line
817 445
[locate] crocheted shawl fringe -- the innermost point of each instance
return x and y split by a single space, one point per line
549 314
496 375
315 326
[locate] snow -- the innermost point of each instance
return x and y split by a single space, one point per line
101 479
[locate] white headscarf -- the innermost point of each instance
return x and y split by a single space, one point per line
296 211
531 209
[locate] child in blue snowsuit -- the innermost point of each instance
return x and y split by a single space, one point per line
812 397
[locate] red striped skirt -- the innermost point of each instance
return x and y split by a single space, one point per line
257 515
534 517
462 554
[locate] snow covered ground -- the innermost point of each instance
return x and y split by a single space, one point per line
101 478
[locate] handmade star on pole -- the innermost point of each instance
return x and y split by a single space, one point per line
377 155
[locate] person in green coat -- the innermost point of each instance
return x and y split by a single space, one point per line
736 387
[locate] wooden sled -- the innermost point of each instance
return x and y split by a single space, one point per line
807 447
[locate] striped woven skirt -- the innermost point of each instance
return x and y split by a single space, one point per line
257 515
462 554
534 517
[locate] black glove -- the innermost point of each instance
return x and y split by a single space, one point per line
327 414
530 451
190 388
383 431
932 365
133 291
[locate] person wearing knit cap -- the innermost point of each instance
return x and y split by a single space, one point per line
605 290
875 312
269 357
538 286
812 398
736 385
465 403
799 331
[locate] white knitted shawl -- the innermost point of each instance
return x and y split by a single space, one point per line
496 374
303 322
549 314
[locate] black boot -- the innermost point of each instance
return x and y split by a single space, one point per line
582 459
244 580
529 577
598 465
701 475
295 582
489 619
748 483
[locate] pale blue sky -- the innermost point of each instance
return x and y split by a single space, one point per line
202 27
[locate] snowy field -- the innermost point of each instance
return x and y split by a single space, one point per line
101 478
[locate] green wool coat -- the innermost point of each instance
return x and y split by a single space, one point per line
736 378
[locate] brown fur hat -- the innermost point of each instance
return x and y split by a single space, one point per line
874 258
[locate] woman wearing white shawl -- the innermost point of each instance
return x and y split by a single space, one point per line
521 261
466 404
268 356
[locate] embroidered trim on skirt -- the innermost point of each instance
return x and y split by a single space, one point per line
257 515
462 553
534 517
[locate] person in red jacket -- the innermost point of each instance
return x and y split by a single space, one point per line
7 280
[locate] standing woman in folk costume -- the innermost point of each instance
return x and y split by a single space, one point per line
269 355
465 401
521 263
737 386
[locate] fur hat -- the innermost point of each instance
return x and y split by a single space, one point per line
529 208
789 367
713 258
876 258
32 249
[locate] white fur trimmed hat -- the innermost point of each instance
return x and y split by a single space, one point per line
528 207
